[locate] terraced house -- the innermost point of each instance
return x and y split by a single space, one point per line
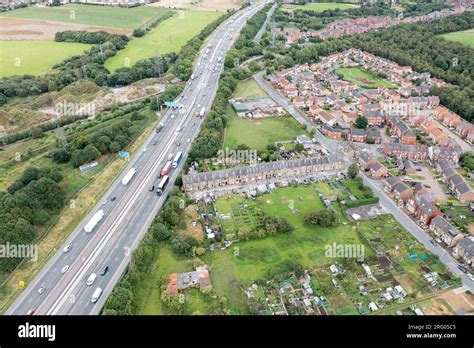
263 172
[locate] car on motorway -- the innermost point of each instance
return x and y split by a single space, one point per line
41 290
462 268
144 150
151 189
194 123
173 116
91 279
31 311
104 202
113 198
189 140
67 248
155 142
64 269
104 270
170 157
178 143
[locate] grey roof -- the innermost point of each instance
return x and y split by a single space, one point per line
259 168
357 131
407 148
401 188
444 226
393 180
467 243
449 172
407 163
456 180
365 156
426 206
462 188
444 164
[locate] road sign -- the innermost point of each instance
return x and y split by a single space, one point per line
88 166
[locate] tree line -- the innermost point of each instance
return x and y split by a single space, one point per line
27 207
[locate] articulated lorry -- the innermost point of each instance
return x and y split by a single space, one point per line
94 221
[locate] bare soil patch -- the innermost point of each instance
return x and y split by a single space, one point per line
33 29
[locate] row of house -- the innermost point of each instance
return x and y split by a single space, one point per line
464 128
261 173
352 134
362 25
370 164
456 183
421 152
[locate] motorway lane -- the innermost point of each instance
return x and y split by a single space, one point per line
64 289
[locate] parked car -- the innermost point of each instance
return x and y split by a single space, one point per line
462 268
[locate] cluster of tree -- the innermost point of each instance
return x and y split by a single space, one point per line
40 129
272 225
87 37
361 122
29 204
323 217
366 190
111 139
467 159
353 171
284 268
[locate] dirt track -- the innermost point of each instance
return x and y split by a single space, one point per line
32 29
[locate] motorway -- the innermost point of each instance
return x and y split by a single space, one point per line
129 209
375 185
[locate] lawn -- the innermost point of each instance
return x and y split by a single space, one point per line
363 78
461 216
104 16
323 6
169 36
465 37
249 89
257 134
34 57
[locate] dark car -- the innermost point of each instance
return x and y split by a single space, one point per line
104 270
113 198
151 189
462 269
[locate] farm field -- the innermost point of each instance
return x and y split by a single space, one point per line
169 36
257 134
104 16
322 6
34 57
363 78
202 5
465 37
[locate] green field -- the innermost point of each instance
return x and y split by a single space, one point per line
363 78
249 89
465 37
34 57
257 134
104 16
322 6
169 36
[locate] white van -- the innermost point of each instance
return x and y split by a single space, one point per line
96 295
91 279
